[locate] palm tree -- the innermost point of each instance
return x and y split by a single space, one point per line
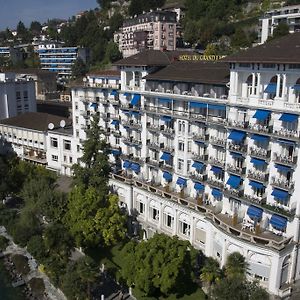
236 266
211 271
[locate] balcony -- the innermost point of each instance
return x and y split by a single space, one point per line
261 128
115 116
255 199
197 117
258 176
200 157
237 147
102 100
153 127
217 120
132 124
153 145
128 106
238 124
286 133
166 147
132 141
282 183
153 162
105 116
215 182
239 194
114 101
200 137
198 177
217 162
284 159
217 141
167 131
236 170
260 153
166 167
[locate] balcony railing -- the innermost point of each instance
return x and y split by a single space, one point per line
261 128
284 159
217 141
215 161
234 192
255 199
114 101
260 153
132 124
238 147
166 147
282 183
166 167
258 175
200 137
238 124
234 169
287 133
167 130
200 157
197 117
198 177
154 127
152 162
216 120
153 145
215 182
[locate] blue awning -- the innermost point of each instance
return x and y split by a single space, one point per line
135 167
167 176
126 164
296 87
198 105
237 136
198 165
255 212
216 193
236 155
127 94
280 195
217 107
166 156
261 114
94 105
135 99
278 222
282 168
234 181
200 143
115 122
260 138
288 118
216 170
181 181
271 88
290 143
166 118
199 187
115 152
114 93
256 185
258 162
164 100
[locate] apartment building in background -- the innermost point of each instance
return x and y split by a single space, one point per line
10 55
60 59
154 30
207 151
289 15
17 95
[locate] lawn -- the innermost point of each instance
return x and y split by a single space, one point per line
112 259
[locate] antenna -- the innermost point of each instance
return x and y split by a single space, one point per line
62 123
50 126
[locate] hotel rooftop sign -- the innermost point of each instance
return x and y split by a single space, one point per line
187 57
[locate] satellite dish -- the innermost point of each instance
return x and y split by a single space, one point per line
62 123
50 126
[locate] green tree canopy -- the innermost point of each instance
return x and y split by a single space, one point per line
162 264
79 68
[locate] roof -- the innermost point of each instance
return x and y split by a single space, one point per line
34 71
282 50
145 58
195 72
34 120
106 73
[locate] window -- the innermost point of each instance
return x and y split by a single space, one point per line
65 158
70 159
189 165
53 142
54 158
184 228
76 106
76 119
18 95
181 146
67 145
154 213
168 220
141 207
77 133
25 94
117 141
180 164
78 148
189 146
181 126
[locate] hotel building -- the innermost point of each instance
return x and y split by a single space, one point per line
208 151
289 15
154 30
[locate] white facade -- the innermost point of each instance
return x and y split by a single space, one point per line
17 95
202 171
153 30
288 14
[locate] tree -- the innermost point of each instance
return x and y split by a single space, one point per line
112 53
161 265
35 27
211 271
281 29
236 266
36 248
79 68
21 29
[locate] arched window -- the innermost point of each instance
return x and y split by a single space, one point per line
249 82
271 88
296 88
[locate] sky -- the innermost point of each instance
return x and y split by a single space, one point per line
12 11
